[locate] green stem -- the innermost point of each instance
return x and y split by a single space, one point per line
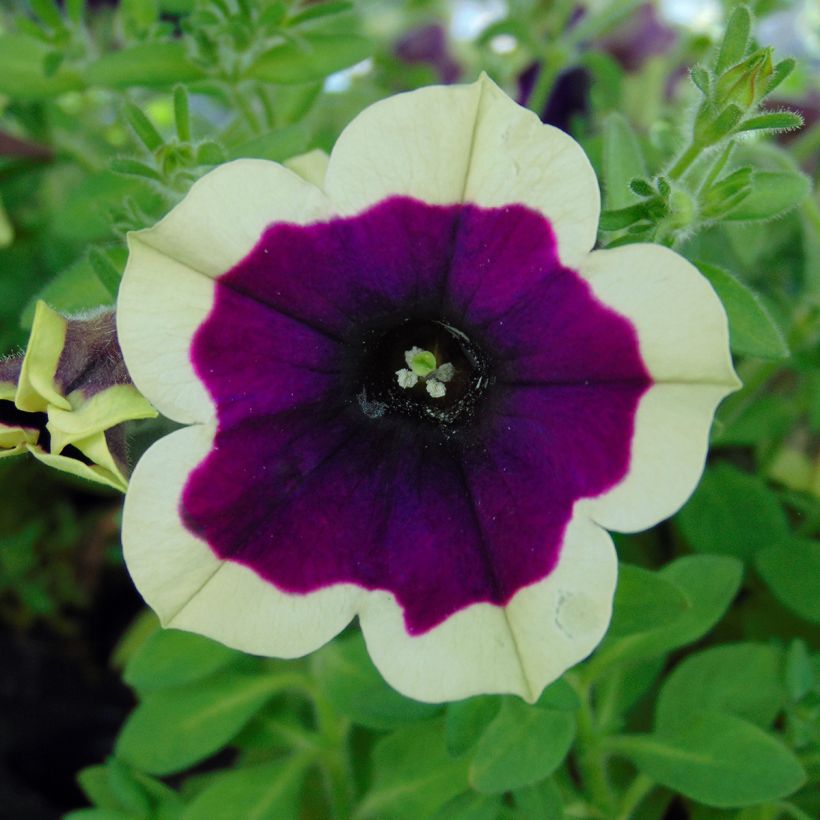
551 65
640 787
335 758
685 160
590 756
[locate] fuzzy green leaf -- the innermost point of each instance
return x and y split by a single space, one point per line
314 58
150 64
717 759
622 161
182 117
776 121
701 78
781 71
774 193
74 289
722 125
49 12
735 39
143 127
22 74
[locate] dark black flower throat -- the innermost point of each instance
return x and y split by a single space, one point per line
456 391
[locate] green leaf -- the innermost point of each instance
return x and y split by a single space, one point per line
709 582
152 64
94 783
319 10
523 744
752 328
776 121
792 570
347 678
732 513
139 15
129 792
781 71
469 806
173 728
773 193
624 217
107 272
644 600
313 58
543 800
278 145
622 159
716 759
143 127
97 814
413 776
641 187
48 12
182 116
269 791
624 686
559 695
701 78
735 39
75 289
171 657
133 167
721 125
743 679
799 671
22 74
467 720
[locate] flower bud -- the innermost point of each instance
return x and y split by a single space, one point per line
745 83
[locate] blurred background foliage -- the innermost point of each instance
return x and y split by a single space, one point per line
704 700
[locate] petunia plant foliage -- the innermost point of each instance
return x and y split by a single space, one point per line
413 434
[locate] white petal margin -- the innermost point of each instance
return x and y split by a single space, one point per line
684 340
167 288
190 588
518 649
469 143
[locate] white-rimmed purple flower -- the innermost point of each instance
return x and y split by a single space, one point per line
413 395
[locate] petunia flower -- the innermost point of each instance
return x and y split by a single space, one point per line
66 399
316 481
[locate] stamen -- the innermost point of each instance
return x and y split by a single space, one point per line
407 378
435 388
421 364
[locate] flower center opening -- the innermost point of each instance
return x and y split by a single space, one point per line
426 370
